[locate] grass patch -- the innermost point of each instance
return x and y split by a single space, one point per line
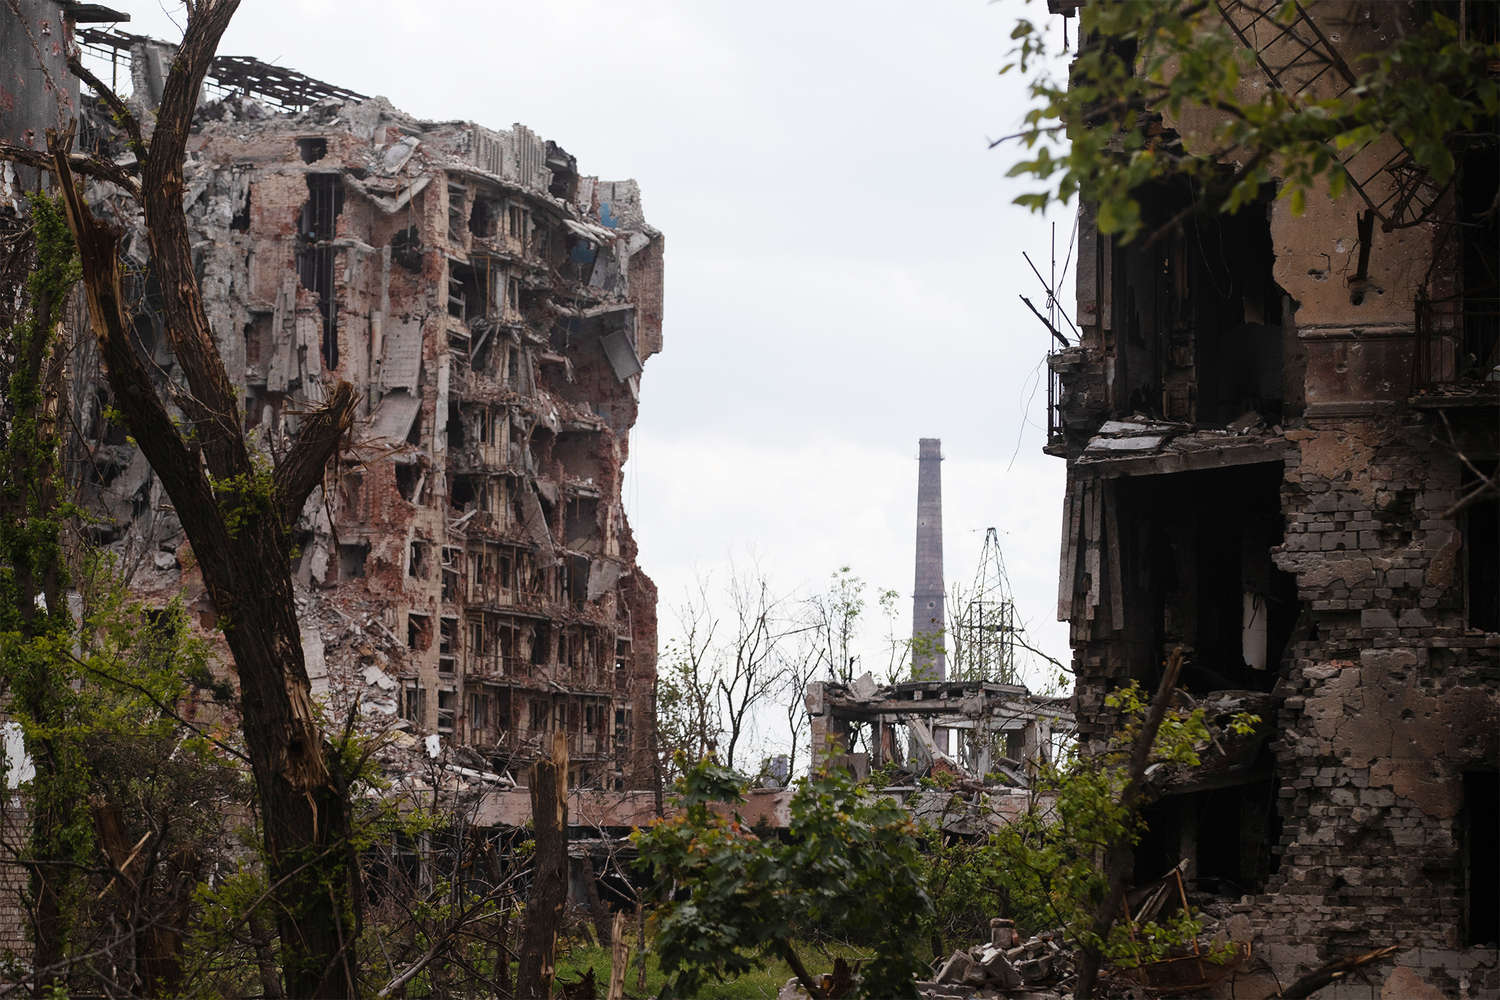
761 983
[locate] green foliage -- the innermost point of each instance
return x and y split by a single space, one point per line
1046 863
247 497
759 983
848 868
1098 133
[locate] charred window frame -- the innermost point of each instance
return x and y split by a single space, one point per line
413 703
1195 313
1196 571
317 257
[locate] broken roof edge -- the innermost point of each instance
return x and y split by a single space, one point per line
292 98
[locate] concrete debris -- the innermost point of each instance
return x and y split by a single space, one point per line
1003 966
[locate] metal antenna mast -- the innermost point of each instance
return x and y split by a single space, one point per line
987 627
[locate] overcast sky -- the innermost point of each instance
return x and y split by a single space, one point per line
842 258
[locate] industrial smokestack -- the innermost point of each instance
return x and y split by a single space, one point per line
927 619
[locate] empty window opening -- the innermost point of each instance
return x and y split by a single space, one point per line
541 448
1479 835
352 558
1225 834
579 454
413 704
540 713
582 524
456 214
1198 574
452 561
1196 330
482 564
513 368
482 218
406 249
416 564
478 639
410 479
541 645
1481 528
447 644
312 149
462 493
316 258
414 434
418 632
455 426
447 704
515 221
468 292
513 294
479 713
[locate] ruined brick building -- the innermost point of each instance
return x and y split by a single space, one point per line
467 565
1277 432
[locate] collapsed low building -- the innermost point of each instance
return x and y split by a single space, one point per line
467 566
1281 436
991 739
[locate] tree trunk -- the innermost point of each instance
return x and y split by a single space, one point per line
1119 856
602 928
236 514
549 887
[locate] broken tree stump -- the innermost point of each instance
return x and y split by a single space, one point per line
619 957
549 885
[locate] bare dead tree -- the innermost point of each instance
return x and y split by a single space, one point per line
235 511
749 671
687 717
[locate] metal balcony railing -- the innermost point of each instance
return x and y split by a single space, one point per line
1458 341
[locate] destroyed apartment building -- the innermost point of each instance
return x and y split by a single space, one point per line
1278 433
467 566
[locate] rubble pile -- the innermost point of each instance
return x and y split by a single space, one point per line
1005 966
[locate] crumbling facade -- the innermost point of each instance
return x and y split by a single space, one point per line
1277 432
467 565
